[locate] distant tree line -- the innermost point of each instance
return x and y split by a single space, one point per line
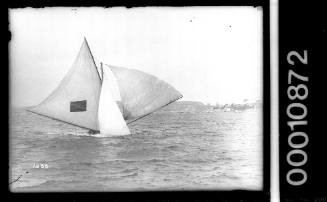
240 107
199 106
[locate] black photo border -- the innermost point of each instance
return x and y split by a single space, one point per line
165 196
302 27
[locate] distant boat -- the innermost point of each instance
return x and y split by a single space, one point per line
105 99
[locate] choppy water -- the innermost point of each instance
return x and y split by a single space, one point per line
167 151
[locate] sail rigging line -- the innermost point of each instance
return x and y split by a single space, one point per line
87 44
101 71
61 120
131 121
97 61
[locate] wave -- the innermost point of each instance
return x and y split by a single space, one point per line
197 161
154 160
173 147
51 133
124 161
127 162
129 170
116 177
130 175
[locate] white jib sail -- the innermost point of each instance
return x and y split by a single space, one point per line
111 121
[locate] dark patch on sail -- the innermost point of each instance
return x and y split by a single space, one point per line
78 106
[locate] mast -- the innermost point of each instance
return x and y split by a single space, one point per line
101 71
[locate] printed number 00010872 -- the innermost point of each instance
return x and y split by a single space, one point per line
297 94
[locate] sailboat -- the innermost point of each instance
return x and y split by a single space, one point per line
105 98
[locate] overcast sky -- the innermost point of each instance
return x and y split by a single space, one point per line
209 54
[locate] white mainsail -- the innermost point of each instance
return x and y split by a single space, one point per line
111 121
141 93
83 100
76 99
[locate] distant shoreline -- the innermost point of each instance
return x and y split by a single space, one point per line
193 105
